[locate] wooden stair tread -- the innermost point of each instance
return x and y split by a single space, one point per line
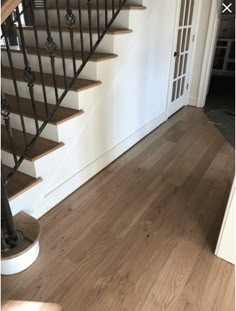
114 31
18 183
40 149
31 229
96 57
62 114
79 84
52 6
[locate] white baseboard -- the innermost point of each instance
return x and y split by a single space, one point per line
61 192
192 102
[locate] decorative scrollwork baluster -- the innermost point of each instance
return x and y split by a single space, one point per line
70 21
61 42
5 110
29 76
13 74
70 18
52 47
5 113
31 19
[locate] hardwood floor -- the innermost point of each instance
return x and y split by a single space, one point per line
140 235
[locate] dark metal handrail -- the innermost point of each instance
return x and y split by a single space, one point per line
25 15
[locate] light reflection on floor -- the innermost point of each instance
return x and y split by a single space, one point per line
11 305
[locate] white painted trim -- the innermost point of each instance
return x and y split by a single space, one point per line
225 248
209 54
195 31
192 101
81 177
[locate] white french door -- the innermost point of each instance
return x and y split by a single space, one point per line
181 57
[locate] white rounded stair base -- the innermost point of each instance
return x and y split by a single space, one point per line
25 254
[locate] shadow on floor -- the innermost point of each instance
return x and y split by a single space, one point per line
220 106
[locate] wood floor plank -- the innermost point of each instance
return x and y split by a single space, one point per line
140 235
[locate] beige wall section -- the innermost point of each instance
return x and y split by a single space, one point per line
200 41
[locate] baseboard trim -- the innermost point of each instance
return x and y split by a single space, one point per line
192 101
61 192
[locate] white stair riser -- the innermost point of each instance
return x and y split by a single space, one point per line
70 101
60 133
89 71
26 167
24 200
50 131
38 168
105 46
122 19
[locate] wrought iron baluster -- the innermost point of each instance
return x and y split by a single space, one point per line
4 246
52 47
29 75
98 18
39 56
10 235
61 43
81 31
27 12
14 82
113 8
106 13
11 33
5 112
89 5
70 21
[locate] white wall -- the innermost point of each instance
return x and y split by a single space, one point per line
225 248
129 104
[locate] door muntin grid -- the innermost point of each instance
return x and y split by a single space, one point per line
182 48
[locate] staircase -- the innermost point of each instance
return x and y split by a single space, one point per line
52 103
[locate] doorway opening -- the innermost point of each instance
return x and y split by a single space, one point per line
220 101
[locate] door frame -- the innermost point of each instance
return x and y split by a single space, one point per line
195 26
209 53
